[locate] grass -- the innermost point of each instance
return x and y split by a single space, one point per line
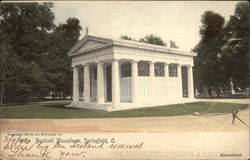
58 111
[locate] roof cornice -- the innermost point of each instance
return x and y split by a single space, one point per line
157 48
125 43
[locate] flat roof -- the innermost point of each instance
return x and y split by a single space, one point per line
131 44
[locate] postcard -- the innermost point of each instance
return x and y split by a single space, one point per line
116 80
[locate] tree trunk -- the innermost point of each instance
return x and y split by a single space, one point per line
209 90
2 87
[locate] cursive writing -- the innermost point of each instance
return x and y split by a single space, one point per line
19 146
71 154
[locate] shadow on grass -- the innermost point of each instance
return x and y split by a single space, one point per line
58 106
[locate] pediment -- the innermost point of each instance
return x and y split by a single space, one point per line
89 43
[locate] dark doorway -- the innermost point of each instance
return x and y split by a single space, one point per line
184 77
109 83
93 83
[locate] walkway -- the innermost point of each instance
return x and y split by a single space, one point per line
241 101
219 123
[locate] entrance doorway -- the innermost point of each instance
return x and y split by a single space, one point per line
184 77
93 83
109 83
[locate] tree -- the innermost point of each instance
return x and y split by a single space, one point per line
223 50
207 70
125 37
33 52
64 37
211 25
24 31
153 39
235 51
150 39
173 44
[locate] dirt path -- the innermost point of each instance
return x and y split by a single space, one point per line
241 101
219 123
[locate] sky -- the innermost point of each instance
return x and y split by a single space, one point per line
171 20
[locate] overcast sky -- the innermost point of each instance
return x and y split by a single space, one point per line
173 20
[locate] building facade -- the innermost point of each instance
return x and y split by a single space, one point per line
114 75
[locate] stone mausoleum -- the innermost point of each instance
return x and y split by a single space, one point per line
123 74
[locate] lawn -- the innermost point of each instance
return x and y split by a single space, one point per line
58 111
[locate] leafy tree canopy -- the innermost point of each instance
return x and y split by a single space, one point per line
24 32
211 25
235 51
62 40
173 44
125 37
33 51
151 39
223 49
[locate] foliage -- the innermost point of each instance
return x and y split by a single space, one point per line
153 39
223 50
173 44
62 40
24 33
235 51
125 37
207 62
211 25
33 51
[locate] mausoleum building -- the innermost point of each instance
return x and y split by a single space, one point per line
123 74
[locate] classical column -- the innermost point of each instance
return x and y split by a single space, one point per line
190 82
166 74
86 84
180 80
100 83
115 83
152 79
75 84
134 74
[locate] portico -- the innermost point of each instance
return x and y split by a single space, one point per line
121 74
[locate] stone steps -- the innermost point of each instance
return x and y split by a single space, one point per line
89 106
